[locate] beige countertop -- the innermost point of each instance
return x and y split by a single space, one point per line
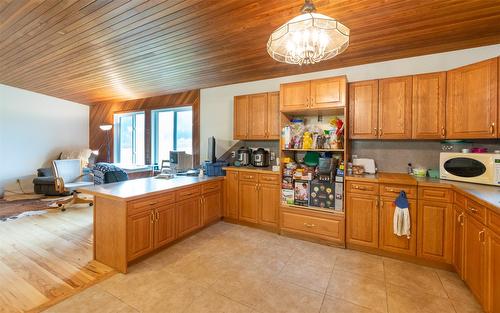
488 195
138 188
267 170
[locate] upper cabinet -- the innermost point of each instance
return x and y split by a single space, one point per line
428 112
471 101
363 110
394 112
256 117
313 94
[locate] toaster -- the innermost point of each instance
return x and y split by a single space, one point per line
368 164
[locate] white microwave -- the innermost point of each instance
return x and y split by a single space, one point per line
480 168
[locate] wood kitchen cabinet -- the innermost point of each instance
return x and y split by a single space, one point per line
269 201
428 106
387 240
165 231
314 94
434 234
256 117
248 201
363 110
232 195
458 239
394 108
471 101
140 234
189 215
362 220
475 257
212 205
493 272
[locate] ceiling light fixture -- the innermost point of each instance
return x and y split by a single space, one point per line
308 38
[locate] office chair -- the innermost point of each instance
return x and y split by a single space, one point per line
67 175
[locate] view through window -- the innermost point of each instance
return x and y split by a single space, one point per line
129 138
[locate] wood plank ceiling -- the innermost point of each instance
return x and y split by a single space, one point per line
96 50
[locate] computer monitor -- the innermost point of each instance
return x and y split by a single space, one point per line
181 161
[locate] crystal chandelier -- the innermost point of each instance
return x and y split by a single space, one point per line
308 38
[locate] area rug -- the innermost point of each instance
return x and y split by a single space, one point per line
19 208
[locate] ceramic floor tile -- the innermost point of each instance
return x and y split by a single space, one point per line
93 299
403 300
361 263
282 297
466 307
211 302
359 289
413 276
308 276
455 288
336 305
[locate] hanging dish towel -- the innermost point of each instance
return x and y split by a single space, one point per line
402 216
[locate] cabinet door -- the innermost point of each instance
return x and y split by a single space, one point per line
249 201
273 115
164 225
394 111
435 230
387 239
140 238
363 110
328 92
458 239
493 274
295 96
241 117
362 220
212 206
428 114
475 257
188 216
471 101
269 201
257 123
232 195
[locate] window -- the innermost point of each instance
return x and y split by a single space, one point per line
129 138
172 130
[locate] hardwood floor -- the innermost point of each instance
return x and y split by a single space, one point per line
47 258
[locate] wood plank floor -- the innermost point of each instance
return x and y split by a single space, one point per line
47 258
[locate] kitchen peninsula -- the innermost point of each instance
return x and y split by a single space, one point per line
135 217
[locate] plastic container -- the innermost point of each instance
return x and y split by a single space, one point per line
420 172
214 169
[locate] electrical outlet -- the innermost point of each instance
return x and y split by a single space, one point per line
233 154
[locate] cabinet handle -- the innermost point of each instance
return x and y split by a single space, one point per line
157 215
248 176
380 131
309 225
358 187
460 219
376 131
153 203
312 101
473 210
152 217
481 236
443 132
391 190
492 128
377 203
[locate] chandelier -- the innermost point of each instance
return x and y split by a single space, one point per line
308 38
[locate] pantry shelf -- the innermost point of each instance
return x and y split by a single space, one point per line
314 150
315 208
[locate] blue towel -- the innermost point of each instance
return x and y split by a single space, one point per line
402 200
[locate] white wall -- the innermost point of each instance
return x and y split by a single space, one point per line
34 128
217 103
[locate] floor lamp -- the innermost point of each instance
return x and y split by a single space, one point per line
107 128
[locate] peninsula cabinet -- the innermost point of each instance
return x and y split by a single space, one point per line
313 94
428 106
256 117
363 110
471 101
395 104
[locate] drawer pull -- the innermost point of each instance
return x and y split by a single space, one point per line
473 210
188 194
391 190
153 203
309 225
481 236
248 176
358 187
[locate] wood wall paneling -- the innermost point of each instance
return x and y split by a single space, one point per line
103 113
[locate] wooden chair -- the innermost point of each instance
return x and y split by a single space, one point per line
67 175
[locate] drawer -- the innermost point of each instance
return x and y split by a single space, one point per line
269 179
459 199
476 210
141 205
331 228
187 193
362 187
494 222
253 177
211 186
435 194
392 190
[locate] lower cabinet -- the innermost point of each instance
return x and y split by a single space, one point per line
248 201
458 239
475 257
189 216
434 234
269 201
388 241
493 273
362 220
212 204
232 192
140 234
164 225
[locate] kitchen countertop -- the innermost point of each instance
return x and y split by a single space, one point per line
138 188
267 170
485 194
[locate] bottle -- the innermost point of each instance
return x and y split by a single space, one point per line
410 169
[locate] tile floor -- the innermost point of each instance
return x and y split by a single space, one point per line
229 268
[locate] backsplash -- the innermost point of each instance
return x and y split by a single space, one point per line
394 156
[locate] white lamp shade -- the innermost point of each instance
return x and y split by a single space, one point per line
106 127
